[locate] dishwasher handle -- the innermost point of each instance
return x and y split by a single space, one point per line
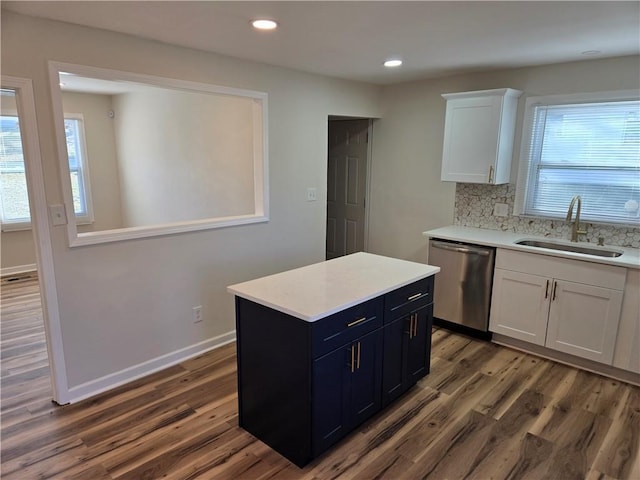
454 247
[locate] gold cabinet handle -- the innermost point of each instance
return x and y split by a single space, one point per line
356 322
412 297
413 325
358 358
490 173
555 287
546 290
353 358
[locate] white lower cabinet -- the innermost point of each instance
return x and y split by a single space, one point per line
566 305
520 306
583 320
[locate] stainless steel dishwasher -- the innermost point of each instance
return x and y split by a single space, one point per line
463 286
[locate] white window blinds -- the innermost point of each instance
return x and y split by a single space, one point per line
586 149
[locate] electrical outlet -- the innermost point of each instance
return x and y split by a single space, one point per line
500 210
197 314
312 194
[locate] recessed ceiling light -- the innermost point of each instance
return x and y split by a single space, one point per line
264 24
591 53
395 62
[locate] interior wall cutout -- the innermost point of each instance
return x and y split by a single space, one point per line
188 156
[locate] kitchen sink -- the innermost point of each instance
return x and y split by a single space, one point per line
570 248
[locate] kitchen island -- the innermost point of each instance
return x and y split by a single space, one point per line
324 347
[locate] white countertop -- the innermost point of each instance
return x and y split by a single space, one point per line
630 257
322 289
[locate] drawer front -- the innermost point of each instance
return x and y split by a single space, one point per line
579 271
341 328
408 298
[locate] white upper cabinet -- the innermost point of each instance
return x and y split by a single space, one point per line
478 136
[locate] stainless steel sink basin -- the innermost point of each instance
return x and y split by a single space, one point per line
570 248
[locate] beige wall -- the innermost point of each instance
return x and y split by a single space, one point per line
129 302
407 194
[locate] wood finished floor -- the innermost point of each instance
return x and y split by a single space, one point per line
484 412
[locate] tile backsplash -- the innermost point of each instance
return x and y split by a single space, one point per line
474 208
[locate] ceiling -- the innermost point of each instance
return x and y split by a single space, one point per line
351 39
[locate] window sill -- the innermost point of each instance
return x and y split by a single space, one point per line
131 233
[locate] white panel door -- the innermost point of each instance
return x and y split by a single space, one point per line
346 186
583 320
520 305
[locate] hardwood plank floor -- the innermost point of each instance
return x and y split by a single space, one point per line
484 412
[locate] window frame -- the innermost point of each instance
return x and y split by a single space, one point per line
87 217
526 169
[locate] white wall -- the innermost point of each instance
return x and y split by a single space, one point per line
184 156
125 303
407 194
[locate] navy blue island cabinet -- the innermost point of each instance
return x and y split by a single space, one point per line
303 385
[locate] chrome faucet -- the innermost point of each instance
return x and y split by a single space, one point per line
575 230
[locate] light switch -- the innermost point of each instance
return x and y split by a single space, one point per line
58 214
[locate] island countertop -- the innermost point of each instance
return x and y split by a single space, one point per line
322 289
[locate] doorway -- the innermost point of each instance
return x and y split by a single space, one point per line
38 298
347 185
25 374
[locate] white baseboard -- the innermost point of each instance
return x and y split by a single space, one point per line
32 267
116 379
567 359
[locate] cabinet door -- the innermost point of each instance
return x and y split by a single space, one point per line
331 380
365 397
419 346
520 305
471 139
583 320
346 389
396 339
407 351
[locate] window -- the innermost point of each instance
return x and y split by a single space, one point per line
78 170
14 201
583 146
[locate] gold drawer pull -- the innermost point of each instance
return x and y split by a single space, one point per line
356 322
419 294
